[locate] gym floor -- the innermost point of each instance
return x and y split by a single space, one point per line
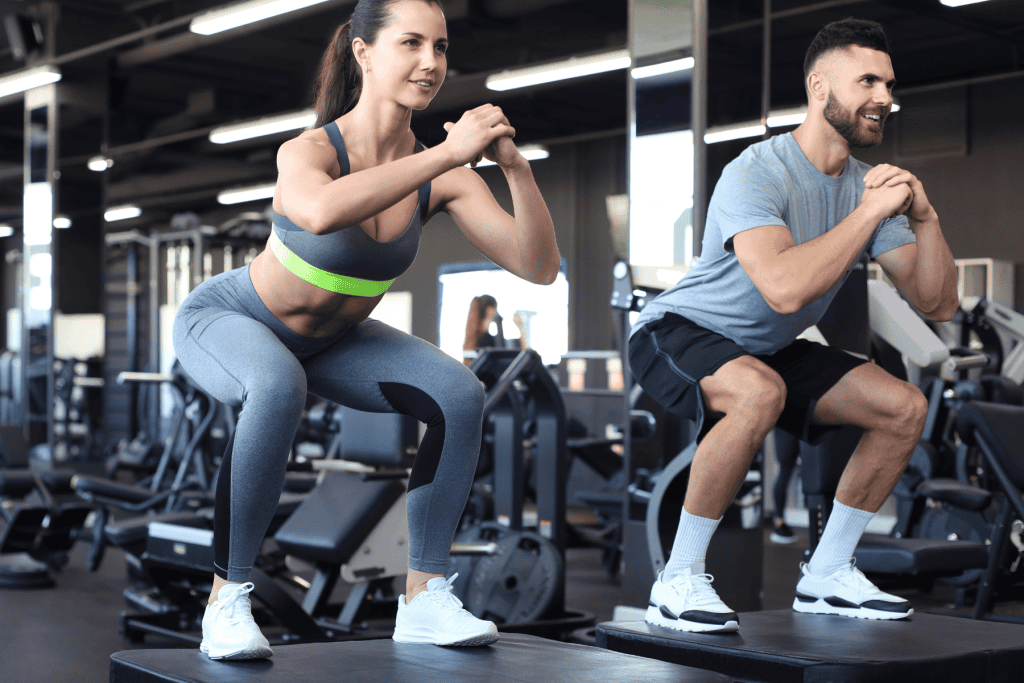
67 633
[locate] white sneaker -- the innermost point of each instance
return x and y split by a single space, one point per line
689 603
229 631
846 592
436 616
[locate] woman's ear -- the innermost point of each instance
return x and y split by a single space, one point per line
361 51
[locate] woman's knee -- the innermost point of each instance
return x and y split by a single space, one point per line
282 389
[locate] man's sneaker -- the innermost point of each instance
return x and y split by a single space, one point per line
781 533
688 603
846 592
229 631
436 616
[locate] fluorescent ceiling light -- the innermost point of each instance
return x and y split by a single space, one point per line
246 194
959 3
61 222
529 152
683 64
574 67
245 13
265 126
21 81
120 213
5 230
100 163
787 117
734 132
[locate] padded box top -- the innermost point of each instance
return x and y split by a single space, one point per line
520 658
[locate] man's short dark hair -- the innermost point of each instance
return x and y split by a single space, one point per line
840 34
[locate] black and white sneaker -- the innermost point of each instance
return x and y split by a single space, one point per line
847 592
689 603
781 532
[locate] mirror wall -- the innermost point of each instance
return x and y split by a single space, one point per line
661 143
37 291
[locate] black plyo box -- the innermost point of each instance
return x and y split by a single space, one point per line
783 646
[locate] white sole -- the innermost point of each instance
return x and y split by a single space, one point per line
254 650
782 540
429 637
656 618
822 607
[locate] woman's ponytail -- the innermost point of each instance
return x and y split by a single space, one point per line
338 80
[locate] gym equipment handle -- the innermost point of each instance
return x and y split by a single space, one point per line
474 548
143 377
953 364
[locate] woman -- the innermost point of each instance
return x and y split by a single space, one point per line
483 310
296 318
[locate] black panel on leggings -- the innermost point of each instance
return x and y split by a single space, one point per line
408 400
222 515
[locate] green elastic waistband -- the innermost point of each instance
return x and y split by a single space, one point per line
332 282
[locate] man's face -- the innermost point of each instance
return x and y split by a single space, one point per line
860 84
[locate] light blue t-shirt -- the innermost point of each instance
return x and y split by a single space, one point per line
770 183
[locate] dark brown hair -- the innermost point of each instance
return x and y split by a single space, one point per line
840 34
339 80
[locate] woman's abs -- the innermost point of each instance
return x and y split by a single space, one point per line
305 308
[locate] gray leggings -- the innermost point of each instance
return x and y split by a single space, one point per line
230 343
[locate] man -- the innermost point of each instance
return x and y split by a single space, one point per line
786 223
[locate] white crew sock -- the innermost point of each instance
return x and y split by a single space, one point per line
842 532
691 544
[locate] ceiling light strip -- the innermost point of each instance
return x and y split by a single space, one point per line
574 67
245 13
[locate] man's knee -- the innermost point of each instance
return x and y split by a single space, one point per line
747 386
911 411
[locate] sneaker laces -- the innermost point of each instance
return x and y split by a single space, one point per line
854 578
446 596
235 607
696 589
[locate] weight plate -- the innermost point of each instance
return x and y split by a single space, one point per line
519 582
464 565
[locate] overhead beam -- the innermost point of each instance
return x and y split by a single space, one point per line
783 14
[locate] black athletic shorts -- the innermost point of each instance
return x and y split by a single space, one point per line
669 356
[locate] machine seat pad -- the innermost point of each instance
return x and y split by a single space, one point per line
885 555
515 657
129 493
1002 427
135 529
15 483
956 492
337 516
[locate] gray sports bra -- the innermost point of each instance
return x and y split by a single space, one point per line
348 261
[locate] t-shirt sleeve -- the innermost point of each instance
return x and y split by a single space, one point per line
890 234
746 197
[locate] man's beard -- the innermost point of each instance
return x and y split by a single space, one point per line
847 124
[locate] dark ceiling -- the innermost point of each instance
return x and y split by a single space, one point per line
168 89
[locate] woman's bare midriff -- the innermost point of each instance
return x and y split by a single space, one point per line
305 308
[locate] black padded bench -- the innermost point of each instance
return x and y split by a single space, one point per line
783 646
520 658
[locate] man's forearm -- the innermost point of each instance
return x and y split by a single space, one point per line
936 272
807 271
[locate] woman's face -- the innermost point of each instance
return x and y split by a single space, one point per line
408 63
